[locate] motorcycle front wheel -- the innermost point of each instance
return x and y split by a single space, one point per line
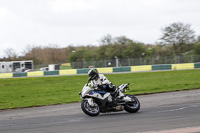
133 106
90 110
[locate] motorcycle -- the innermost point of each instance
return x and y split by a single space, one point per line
96 101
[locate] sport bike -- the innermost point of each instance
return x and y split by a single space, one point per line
95 101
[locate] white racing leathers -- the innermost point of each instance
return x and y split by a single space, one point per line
102 80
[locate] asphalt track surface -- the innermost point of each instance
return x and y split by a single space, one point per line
165 112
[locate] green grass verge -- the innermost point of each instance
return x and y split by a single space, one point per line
36 91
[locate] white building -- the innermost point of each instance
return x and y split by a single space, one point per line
11 66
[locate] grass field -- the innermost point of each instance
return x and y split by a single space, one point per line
36 91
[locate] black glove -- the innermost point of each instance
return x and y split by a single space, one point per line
112 87
103 87
99 86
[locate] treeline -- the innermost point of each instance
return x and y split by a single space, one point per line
50 54
177 39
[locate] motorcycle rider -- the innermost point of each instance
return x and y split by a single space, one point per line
101 82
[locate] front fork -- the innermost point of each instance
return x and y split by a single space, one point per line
90 101
127 99
124 97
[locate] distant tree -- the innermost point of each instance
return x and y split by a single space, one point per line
159 50
35 54
180 36
77 56
83 53
27 49
111 47
10 53
106 40
198 39
134 50
122 40
197 48
101 52
114 50
69 50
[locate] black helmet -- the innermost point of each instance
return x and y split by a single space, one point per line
93 73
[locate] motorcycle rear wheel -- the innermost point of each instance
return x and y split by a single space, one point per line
90 110
132 107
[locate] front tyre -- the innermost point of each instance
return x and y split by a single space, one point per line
90 110
133 106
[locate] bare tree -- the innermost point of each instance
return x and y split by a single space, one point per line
180 36
27 49
10 53
106 40
122 40
198 39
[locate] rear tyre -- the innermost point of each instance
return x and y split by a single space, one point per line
134 106
90 110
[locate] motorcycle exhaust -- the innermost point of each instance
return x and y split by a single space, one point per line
119 108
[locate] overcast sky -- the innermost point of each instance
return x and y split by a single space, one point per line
85 22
